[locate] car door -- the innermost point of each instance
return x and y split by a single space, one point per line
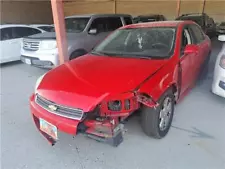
104 27
186 61
7 45
199 39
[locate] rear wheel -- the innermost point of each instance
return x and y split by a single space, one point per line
157 122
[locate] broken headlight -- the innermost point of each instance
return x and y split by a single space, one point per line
115 105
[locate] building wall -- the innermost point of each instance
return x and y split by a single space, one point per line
26 12
215 8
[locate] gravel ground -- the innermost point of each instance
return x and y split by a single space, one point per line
196 140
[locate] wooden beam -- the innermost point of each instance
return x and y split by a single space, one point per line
115 6
59 23
203 6
178 7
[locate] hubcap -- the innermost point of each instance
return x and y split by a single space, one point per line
165 114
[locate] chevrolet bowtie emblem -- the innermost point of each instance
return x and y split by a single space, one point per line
52 107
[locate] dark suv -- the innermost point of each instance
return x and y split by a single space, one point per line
149 18
207 23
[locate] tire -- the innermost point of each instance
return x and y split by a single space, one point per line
150 117
77 53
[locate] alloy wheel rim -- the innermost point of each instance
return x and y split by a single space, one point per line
165 114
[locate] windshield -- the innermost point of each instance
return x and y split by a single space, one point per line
76 24
157 42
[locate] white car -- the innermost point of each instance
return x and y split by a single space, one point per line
10 40
44 27
218 86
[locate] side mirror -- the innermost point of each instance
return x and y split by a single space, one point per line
221 38
191 49
93 31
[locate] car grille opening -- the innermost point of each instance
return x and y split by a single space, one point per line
72 113
32 45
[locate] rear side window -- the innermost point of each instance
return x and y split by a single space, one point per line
20 32
106 24
114 23
47 28
6 34
198 35
127 20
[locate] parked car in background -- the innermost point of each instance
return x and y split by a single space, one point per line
11 37
146 67
45 27
149 18
220 29
207 23
218 86
83 33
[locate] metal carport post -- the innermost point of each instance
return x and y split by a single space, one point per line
59 23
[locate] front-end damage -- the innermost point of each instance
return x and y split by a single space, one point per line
104 123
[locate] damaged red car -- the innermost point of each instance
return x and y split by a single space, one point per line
146 67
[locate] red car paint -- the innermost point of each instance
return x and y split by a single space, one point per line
91 81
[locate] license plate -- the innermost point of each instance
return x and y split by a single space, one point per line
27 61
48 128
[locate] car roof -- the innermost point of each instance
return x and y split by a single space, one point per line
149 15
98 15
157 24
15 25
37 25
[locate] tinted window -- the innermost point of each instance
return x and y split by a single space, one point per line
47 28
197 33
148 19
127 20
114 23
6 34
106 24
76 24
20 32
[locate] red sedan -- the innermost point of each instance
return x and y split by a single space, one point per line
146 67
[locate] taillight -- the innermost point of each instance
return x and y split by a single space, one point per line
222 61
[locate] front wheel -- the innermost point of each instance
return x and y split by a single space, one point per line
156 122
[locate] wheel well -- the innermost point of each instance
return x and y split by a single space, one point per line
175 91
82 51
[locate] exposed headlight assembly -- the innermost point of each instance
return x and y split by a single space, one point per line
115 105
38 82
48 44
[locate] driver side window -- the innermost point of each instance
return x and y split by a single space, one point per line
186 40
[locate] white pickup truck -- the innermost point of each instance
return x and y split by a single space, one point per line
83 33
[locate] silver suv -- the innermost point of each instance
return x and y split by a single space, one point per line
83 33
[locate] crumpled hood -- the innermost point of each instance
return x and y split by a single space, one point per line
85 81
